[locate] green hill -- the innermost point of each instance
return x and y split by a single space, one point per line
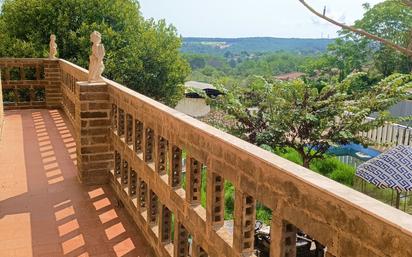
219 46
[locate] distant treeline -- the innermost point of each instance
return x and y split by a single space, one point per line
220 46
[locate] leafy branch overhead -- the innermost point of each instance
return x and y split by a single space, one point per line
405 50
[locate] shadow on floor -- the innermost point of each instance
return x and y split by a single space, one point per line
44 210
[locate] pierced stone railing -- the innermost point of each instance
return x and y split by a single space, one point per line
30 83
142 147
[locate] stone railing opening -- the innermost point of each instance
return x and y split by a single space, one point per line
157 160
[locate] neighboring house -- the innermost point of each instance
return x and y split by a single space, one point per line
290 76
194 104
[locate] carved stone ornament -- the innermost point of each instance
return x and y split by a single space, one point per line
96 65
53 47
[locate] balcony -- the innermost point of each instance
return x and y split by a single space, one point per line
96 169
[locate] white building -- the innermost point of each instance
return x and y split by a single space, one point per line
193 104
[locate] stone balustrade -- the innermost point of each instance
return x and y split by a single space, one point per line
158 159
30 83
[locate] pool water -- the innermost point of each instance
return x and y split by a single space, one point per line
353 154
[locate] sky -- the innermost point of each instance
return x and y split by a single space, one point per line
253 18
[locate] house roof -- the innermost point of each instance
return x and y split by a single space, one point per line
209 89
199 85
392 169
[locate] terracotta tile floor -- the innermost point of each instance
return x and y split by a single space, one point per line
44 211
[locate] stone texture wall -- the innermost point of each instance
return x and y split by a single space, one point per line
34 83
92 122
52 75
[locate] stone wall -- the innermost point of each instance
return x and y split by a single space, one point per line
31 83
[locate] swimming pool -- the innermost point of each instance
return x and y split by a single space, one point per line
353 154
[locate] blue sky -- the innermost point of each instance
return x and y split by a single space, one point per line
252 18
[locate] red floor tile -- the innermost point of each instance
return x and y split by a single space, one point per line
44 211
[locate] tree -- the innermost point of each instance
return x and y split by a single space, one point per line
296 115
142 54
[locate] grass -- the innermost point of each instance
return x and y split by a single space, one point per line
330 166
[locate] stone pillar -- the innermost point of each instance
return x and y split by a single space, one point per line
181 243
244 223
142 196
215 205
94 153
52 76
153 212
125 174
133 183
161 163
175 160
193 181
165 225
283 236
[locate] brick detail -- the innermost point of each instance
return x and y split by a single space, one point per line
175 162
149 145
165 225
283 236
152 214
193 181
132 183
53 91
215 203
142 191
181 244
161 163
244 223
138 142
94 154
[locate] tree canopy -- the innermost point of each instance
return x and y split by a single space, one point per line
294 114
141 54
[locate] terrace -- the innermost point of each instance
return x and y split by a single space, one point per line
96 169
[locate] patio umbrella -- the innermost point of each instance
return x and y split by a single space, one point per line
392 169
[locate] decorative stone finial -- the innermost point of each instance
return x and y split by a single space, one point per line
96 65
53 47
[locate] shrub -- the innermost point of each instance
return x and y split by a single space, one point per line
343 174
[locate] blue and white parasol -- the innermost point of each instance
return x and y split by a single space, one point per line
392 169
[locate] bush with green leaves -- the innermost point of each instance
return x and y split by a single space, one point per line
144 55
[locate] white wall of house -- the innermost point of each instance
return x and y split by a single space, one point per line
195 107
